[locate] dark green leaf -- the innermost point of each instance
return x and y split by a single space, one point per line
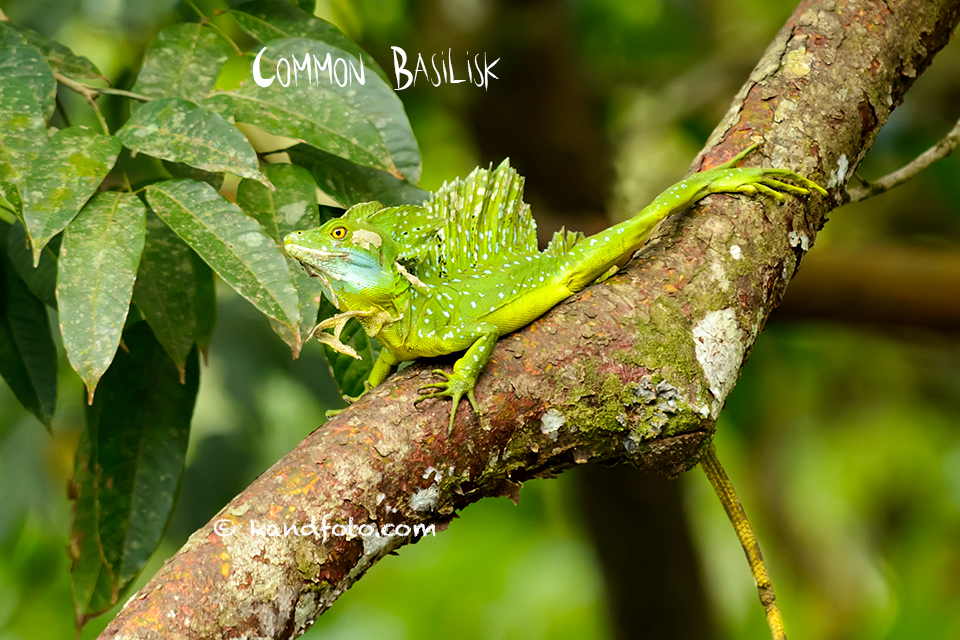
42 279
183 62
64 176
178 130
90 580
60 57
231 243
10 201
20 59
166 290
348 372
291 207
138 429
365 124
350 184
268 20
206 302
98 265
180 170
22 130
28 357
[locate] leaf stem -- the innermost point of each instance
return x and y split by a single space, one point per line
121 92
90 93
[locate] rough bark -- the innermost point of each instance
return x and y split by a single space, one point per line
633 370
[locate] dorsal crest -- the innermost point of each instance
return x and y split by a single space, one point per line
485 224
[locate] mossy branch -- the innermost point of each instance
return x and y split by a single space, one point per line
633 370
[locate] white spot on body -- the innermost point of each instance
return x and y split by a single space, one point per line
364 239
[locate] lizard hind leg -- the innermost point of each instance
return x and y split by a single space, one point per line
465 372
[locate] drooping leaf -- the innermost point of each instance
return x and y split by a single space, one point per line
349 184
291 207
59 56
20 59
181 170
166 290
10 201
42 279
98 265
28 357
178 130
206 302
129 476
183 62
90 579
62 178
328 109
22 130
231 243
268 20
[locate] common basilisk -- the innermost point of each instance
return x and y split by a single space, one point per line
459 271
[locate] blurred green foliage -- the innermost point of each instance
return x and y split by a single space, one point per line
843 439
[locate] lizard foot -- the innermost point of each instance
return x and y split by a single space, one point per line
349 400
726 179
455 387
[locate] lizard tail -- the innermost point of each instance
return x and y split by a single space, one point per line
731 504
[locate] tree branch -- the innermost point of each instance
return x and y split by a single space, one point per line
939 151
634 370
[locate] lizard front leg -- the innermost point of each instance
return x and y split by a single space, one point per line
466 370
382 368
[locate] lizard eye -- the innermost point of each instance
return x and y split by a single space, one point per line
338 233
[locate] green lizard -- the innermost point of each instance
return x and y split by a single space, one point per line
463 269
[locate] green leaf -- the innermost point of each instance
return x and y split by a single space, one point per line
175 129
28 357
166 291
20 59
98 265
365 124
10 201
42 279
129 475
63 177
22 130
183 62
59 56
268 20
350 184
206 302
231 243
90 579
180 170
291 207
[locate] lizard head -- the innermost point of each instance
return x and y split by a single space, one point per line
353 259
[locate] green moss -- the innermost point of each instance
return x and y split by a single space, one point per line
607 412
